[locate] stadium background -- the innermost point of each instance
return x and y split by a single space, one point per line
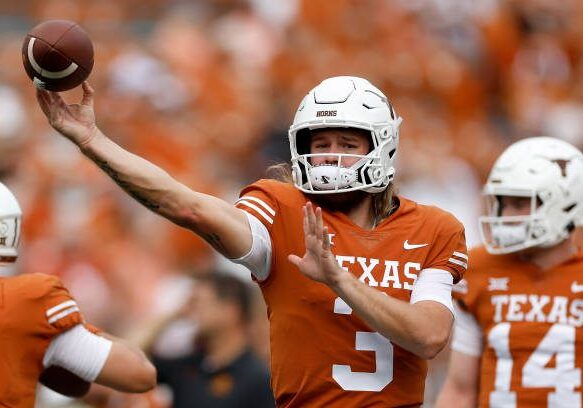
207 89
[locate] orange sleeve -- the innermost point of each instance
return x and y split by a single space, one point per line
258 200
461 295
449 251
61 311
467 291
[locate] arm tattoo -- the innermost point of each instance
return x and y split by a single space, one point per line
214 240
135 193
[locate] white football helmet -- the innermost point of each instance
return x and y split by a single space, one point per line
10 215
345 102
549 172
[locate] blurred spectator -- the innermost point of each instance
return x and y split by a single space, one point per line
207 350
222 371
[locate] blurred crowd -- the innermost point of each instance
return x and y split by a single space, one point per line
207 89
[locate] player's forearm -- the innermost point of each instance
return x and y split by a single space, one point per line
219 223
129 344
148 184
127 368
462 383
408 325
455 396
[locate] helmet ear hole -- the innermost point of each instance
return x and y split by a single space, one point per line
377 174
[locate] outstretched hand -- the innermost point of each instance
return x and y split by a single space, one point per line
76 121
318 262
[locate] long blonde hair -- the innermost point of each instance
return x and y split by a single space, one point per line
382 203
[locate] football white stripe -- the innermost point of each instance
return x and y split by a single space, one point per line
262 213
460 255
64 313
260 202
60 307
458 262
45 73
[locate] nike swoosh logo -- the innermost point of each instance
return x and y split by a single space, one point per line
407 245
576 288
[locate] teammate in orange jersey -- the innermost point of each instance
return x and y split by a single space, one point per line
43 336
518 338
350 334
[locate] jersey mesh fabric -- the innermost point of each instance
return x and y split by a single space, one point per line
323 355
34 308
531 324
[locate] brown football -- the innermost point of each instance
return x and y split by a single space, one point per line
57 55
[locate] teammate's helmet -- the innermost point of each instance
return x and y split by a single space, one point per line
548 171
10 215
345 102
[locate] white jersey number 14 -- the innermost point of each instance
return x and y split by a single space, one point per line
563 377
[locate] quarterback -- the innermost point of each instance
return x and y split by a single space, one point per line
357 280
44 336
518 336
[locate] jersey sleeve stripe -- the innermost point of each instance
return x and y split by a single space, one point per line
64 313
60 307
460 255
259 211
260 202
458 262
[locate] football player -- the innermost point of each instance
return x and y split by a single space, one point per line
518 336
43 335
350 333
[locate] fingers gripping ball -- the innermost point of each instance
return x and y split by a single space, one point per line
57 55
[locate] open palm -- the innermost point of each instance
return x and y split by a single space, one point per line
318 262
75 121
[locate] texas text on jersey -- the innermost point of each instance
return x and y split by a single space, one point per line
532 330
322 354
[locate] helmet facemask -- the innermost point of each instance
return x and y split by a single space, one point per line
505 234
10 215
345 102
365 173
9 239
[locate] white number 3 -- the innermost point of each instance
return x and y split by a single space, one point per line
365 341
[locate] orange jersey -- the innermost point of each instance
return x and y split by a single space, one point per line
322 354
34 308
531 324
